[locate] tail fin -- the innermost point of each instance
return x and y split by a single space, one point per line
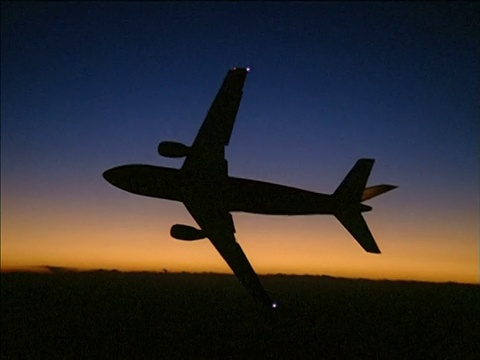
352 187
349 195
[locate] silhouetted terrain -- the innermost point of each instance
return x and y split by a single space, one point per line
109 314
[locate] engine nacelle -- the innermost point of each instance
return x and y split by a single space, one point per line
187 233
172 149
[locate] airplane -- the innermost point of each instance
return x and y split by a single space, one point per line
210 195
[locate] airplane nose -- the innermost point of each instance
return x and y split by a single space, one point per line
114 176
109 175
121 176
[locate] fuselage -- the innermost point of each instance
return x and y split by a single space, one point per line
230 193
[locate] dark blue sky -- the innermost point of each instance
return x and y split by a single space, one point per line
87 86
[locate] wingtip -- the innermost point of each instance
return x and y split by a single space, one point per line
236 68
373 250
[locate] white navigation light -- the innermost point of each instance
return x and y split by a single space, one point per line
248 69
274 305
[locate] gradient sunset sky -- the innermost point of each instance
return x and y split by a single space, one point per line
89 86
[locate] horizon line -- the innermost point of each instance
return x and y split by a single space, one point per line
55 270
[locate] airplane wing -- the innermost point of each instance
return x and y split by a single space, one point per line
204 170
219 228
207 153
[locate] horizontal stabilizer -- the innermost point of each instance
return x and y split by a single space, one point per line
357 227
349 195
373 191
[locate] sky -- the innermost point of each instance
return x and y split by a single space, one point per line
89 86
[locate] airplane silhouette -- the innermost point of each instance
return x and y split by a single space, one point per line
210 194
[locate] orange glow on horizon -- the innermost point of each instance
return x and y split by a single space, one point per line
135 237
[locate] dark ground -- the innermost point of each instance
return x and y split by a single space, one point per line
104 314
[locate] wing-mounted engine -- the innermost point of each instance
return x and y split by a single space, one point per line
187 233
173 149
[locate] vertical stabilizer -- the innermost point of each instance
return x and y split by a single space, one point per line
352 187
349 208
